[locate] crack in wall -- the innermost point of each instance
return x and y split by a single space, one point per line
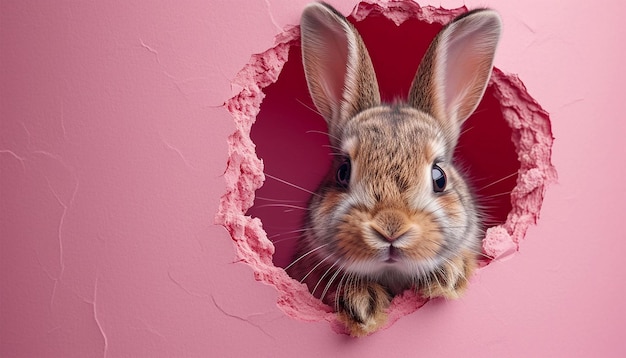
15 156
271 16
95 317
240 318
178 153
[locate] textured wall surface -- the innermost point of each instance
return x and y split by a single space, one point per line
113 148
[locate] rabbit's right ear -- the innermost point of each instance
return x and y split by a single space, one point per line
338 69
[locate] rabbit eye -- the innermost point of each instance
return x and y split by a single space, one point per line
439 179
343 173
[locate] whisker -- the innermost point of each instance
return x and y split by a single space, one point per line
313 269
478 111
282 206
330 282
447 227
335 154
287 232
338 291
497 181
324 133
455 268
277 200
306 254
424 276
336 149
312 109
480 253
466 130
496 195
322 278
294 237
436 277
292 185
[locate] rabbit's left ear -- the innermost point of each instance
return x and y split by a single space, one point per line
453 75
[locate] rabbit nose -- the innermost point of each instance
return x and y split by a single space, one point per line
389 225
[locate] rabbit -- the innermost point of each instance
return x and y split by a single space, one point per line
393 213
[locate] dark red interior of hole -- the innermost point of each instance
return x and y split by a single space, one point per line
289 134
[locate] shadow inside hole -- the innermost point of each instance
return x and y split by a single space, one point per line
290 135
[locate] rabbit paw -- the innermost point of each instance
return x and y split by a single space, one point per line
363 308
451 279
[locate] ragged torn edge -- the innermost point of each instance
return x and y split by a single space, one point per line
531 136
244 175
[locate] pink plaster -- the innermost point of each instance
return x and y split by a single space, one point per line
506 149
114 143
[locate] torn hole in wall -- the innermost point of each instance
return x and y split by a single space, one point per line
505 147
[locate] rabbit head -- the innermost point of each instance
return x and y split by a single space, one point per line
393 210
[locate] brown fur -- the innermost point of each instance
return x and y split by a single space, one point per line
388 231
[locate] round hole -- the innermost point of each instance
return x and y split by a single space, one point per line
505 149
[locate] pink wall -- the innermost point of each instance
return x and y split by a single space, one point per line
113 145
